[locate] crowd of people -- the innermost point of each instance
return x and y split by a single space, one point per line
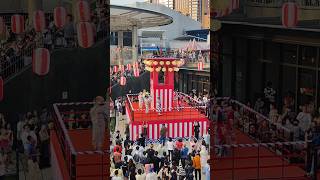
6 146
16 48
33 141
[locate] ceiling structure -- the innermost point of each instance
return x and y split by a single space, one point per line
124 18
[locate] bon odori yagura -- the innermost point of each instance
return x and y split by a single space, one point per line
178 112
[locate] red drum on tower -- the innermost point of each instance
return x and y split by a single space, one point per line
41 61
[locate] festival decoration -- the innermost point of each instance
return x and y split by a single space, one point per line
200 66
17 24
85 34
60 16
83 11
121 68
41 61
128 67
289 14
135 65
136 72
39 21
115 69
123 81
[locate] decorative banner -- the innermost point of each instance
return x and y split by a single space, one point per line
17 24
123 81
1 88
39 21
60 16
85 34
3 28
200 66
289 14
83 11
136 72
41 61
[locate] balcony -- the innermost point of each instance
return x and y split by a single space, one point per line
309 9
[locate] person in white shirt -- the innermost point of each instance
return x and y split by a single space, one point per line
140 176
152 176
304 119
170 147
116 176
25 133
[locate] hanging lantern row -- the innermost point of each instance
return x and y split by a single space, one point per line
163 69
173 63
41 61
60 16
128 67
136 72
290 14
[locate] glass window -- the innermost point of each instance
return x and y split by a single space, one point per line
289 54
307 56
307 85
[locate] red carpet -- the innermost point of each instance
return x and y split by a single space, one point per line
270 167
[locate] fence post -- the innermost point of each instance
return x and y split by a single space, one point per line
73 173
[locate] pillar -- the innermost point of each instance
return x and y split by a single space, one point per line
134 43
33 5
120 38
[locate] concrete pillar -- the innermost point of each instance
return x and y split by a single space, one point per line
134 43
33 5
120 38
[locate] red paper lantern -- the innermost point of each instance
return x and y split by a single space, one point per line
200 66
128 67
135 65
41 61
83 11
289 14
60 16
17 24
85 34
235 4
115 69
3 28
136 72
123 81
39 21
1 88
121 67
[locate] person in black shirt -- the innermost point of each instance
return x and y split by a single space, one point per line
196 130
189 171
132 170
142 141
156 162
124 167
176 157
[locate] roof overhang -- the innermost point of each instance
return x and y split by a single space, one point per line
124 18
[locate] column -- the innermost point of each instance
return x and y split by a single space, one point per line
120 45
134 43
33 5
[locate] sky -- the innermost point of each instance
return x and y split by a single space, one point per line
123 2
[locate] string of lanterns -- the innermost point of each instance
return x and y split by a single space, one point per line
170 66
